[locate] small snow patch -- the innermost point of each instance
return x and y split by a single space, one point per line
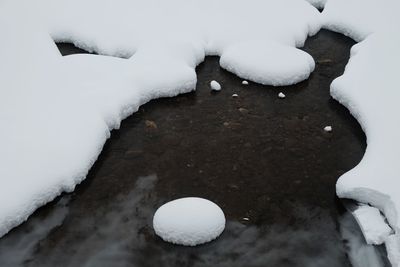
215 86
245 82
235 95
281 95
328 128
189 221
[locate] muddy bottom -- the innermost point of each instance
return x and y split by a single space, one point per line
267 162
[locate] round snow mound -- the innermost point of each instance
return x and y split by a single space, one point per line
189 221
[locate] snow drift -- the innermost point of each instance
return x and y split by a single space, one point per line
369 89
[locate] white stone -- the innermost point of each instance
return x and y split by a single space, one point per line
328 128
215 86
281 95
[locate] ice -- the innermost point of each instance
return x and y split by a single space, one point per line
215 86
57 112
328 128
369 89
189 221
372 223
281 95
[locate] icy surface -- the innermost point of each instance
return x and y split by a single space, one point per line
189 221
372 223
57 112
369 89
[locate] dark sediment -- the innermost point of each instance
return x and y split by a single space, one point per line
257 156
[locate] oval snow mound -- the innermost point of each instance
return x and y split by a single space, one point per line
189 221
267 63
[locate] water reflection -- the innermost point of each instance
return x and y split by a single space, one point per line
121 235
18 248
360 253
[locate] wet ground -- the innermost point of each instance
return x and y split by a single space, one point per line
267 162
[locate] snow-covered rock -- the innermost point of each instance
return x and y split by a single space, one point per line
215 86
245 82
189 221
328 128
235 95
281 95
267 63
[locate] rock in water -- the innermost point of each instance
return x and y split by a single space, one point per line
189 221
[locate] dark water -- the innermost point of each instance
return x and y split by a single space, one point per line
257 156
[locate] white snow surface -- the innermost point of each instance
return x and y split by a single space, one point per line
189 221
267 63
57 112
373 225
369 88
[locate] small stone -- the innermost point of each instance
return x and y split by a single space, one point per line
235 95
243 110
324 61
281 95
328 129
245 82
215 86
150 124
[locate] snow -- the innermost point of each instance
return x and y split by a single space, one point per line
369 89
189 221
372 223
215 86
57 112
328 128
235 95
320 4
281 95
245 82
267 63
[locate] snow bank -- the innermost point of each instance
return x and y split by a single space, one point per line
369 89
189 221
57 112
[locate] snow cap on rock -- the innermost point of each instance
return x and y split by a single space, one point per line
189 221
